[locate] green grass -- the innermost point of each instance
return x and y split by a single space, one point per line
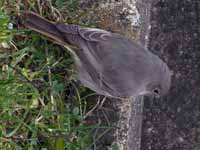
41 104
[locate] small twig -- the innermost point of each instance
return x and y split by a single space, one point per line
95 134
93 94
79 100
50 81
105 116
102 102
100 136
57 62
19 72
21 122
39 7
90 111
41 101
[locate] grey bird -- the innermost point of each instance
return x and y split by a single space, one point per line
107 63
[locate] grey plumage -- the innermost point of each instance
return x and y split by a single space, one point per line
108 63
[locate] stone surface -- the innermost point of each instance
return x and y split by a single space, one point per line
115 15
172 123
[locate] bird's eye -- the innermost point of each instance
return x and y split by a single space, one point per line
156 91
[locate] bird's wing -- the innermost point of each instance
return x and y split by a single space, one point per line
89 34
94 34
113 62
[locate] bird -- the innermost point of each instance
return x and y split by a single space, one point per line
108 63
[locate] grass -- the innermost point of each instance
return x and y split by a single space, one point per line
41 102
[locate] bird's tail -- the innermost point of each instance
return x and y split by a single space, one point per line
43 26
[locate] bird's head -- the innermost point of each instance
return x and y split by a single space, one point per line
160 82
